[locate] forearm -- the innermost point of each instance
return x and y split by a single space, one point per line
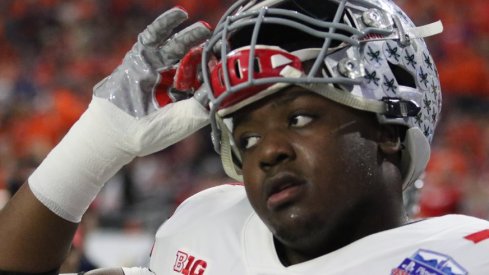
32 238
124 120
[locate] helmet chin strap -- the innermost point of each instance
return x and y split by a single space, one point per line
227 152
415 156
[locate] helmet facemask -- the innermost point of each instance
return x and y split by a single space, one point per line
365 54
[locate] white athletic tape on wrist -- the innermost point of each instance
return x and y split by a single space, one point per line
73 173
97 146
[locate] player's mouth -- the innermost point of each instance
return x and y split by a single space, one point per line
283 189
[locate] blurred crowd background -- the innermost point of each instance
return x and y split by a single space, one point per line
52 52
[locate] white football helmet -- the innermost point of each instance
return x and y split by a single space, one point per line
366 54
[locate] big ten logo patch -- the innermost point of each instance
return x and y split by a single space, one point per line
189 265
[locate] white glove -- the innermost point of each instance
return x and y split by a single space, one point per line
132 113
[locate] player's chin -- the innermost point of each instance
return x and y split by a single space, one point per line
292 222
297 230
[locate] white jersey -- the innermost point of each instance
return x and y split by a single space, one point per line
216 232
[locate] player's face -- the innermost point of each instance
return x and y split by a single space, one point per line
310 166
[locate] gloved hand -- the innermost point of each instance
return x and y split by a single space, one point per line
132 113
143 85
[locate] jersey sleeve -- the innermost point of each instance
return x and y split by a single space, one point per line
203 206
204 227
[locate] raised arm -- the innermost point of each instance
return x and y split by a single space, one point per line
133 112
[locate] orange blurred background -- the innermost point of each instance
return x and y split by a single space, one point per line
52 52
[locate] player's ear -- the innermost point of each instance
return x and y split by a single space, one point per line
390 139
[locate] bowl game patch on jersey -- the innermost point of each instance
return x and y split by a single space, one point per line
426 262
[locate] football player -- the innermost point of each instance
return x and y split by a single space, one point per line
324 110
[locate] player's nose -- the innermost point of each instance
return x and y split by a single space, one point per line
275 149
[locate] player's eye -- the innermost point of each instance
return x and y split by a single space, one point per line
247 142
300 120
